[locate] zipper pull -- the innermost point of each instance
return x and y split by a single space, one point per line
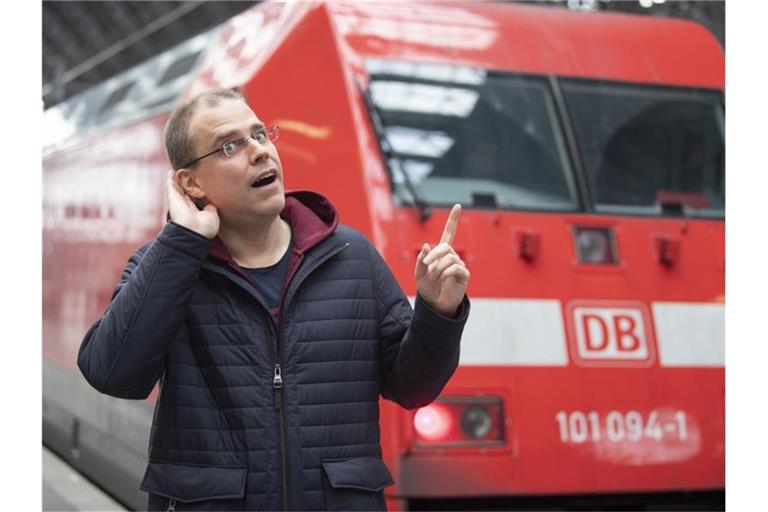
277 385
171 506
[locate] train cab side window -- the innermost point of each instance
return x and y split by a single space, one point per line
466 133
116 97
644 147
179 67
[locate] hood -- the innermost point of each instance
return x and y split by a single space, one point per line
312 218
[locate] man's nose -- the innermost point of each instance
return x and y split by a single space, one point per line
257 150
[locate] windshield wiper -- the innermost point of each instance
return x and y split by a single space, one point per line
391 155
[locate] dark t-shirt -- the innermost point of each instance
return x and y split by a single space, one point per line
269 280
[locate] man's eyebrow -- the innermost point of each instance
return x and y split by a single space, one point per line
232 133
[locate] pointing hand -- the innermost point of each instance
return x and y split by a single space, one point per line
441 276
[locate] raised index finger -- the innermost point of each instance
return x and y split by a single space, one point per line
449 232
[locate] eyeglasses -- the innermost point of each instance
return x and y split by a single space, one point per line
233 147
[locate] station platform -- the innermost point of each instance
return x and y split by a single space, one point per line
64 489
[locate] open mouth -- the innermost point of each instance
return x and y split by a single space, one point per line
265 180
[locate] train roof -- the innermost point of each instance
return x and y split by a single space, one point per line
497 36
536 39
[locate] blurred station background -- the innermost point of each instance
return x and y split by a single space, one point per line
585 140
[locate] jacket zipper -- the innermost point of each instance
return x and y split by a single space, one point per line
277 379
277 386
277 389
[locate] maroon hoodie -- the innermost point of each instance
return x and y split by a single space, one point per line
312 219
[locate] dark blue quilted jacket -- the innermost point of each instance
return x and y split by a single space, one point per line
258 414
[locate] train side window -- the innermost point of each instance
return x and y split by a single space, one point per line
462 134
179 67
116 97
645 147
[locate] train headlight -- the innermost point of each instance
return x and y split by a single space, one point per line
476 422
460 421
595 246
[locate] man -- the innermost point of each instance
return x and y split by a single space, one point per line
273 330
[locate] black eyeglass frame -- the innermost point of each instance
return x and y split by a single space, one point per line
272 132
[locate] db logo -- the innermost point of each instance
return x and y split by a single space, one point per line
608 333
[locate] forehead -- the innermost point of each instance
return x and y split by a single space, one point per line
228 116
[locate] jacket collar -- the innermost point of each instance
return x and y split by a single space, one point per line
312 218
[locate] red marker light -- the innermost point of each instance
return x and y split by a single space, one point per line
432 422
466 421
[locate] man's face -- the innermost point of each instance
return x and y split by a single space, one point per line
228 182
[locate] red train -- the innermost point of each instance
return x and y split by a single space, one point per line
588 153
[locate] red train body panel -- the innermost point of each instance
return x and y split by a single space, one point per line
597 378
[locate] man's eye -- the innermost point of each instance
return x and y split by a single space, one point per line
229 147
260 136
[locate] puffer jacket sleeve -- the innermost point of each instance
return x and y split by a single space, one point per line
419 348
122 354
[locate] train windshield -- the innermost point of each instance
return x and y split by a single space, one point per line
460 134
646 148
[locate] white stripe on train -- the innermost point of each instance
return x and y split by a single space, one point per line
690 334
531 332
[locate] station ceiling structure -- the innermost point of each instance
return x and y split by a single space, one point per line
86 42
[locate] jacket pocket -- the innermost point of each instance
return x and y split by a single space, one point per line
356 484
186 487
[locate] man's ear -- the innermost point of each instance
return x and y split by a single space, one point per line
189 183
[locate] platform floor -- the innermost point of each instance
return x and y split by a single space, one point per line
65 489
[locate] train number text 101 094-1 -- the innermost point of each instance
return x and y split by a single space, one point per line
615 426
